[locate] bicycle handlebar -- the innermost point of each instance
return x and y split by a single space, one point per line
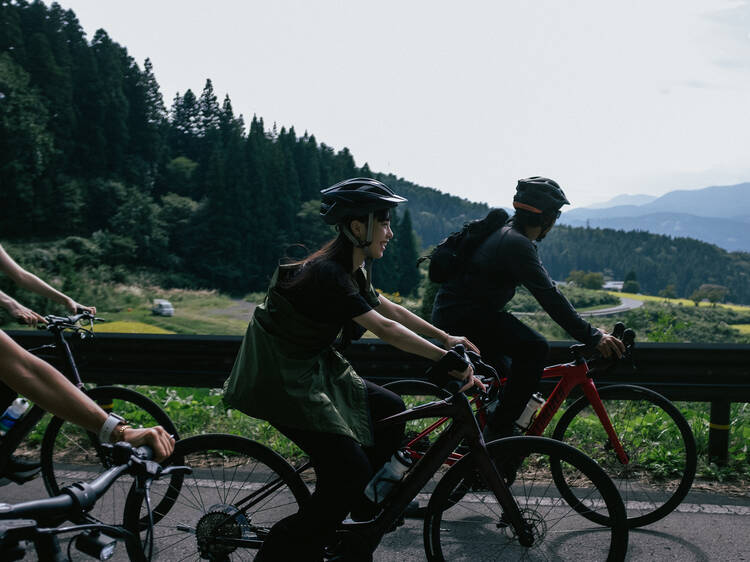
439 372
60 323
597 361
81 496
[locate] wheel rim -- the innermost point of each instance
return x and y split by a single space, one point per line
468 524
657 440
203 518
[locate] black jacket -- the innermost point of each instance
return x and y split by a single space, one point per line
503 261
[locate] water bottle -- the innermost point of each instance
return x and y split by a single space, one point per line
388 476
529 412
11 415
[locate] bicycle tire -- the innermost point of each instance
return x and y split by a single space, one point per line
223 466
651 430
70 454
470 525
416 392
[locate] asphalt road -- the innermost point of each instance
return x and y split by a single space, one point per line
625 305
706 527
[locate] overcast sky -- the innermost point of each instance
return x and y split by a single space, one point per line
605 97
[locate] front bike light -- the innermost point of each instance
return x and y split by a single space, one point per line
96 545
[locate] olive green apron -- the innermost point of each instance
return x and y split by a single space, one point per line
288 373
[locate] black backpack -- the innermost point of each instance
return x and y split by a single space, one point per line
450 257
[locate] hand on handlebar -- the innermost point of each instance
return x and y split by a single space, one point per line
24 315
453 341
468 377
455 365
155 437
76 308
609 345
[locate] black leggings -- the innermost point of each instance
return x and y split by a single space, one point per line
342 470
500 335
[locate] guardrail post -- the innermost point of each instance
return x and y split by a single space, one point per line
718 432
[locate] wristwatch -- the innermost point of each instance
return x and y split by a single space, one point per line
109 425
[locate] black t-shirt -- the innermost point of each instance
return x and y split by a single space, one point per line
329 294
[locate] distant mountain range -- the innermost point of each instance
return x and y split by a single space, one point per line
718 215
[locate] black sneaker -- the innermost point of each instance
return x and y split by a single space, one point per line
19 470
414 510
19 464
491 433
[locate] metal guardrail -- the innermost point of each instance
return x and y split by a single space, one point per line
716 373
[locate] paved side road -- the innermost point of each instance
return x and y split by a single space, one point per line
706 527
625 305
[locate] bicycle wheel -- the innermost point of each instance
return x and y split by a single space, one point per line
415 393
70 454
237 490
657 439
465 522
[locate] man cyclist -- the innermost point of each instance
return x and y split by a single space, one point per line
472 302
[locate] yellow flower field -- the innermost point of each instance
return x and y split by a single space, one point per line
130 327
684 302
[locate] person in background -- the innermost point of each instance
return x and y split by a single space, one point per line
25 374
472 302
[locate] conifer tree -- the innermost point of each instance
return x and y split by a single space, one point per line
408 254
25 146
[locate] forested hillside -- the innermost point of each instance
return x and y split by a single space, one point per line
99 173
657 260
88 148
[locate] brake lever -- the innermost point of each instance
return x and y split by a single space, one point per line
175 470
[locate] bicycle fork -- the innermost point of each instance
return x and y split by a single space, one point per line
501 490
464 417
589 390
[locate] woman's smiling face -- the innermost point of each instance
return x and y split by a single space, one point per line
381 235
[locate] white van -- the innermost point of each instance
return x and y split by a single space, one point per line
162 307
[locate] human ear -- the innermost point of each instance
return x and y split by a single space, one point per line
357 228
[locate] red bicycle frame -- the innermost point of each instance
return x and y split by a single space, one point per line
570 375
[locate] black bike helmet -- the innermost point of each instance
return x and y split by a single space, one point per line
538 195
356 197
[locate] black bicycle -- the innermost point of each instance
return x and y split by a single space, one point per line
499 502
68 452
39 521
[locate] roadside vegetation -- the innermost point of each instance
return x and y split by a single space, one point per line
127 308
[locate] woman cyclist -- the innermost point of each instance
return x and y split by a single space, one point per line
24 373
287 371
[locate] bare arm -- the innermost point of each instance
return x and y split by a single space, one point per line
401 337
31 282
398 335
44 385
407 318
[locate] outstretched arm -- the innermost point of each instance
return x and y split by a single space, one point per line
392 332
31 282
416 324
46 386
